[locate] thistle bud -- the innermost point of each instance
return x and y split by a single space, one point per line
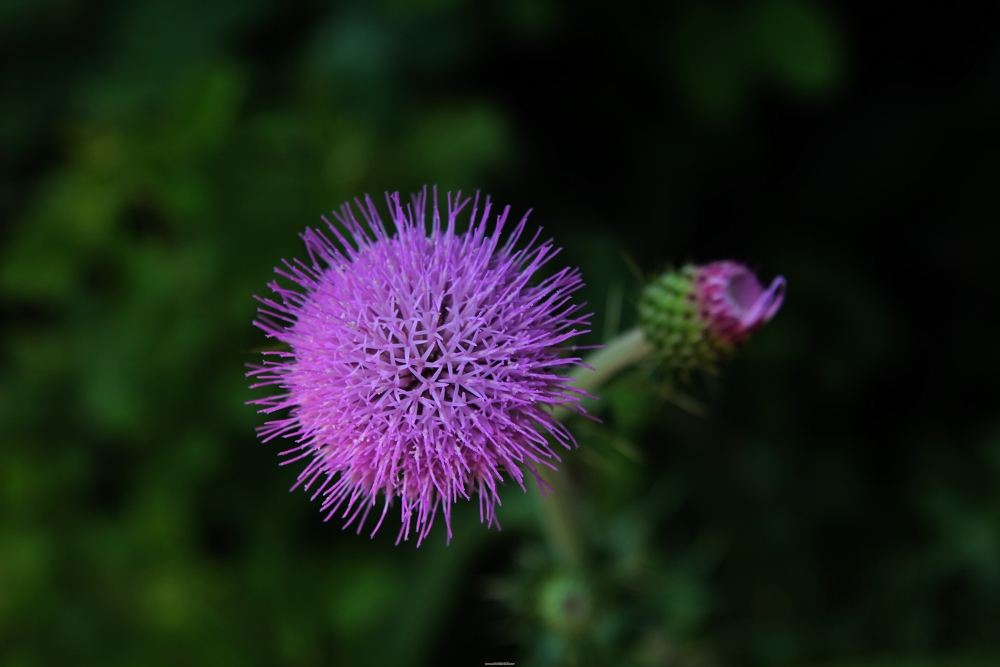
700 315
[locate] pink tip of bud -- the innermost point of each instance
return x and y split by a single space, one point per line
734 301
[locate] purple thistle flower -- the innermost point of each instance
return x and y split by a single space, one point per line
701 314
421 366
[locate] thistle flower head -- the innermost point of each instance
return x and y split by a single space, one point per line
422 363
700 315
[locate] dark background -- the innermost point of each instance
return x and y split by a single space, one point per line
839 504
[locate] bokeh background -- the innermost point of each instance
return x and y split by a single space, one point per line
837 502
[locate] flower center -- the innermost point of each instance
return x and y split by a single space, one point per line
416 377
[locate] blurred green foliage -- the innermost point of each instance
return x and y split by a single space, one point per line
723 52
832 500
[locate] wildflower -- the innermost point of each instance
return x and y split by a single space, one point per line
421 366
700 315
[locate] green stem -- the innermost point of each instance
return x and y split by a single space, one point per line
556 509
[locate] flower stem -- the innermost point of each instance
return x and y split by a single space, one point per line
556 509
624 350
